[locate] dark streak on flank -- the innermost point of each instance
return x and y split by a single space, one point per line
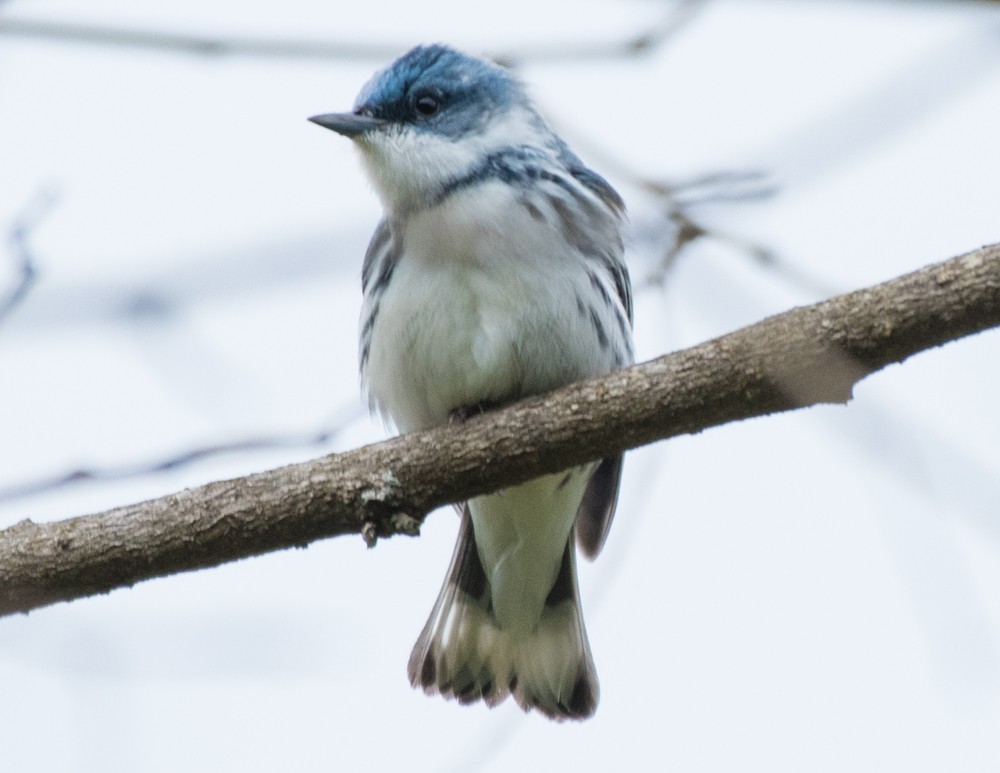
534 211
602 334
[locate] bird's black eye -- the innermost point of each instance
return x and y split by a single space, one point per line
427 104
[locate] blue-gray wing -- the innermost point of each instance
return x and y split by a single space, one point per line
597 509
609 197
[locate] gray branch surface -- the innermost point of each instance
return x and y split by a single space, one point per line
806 356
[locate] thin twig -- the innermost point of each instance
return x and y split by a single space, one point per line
339 50
320 437
674 19
17 238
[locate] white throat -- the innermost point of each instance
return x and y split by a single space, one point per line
408 167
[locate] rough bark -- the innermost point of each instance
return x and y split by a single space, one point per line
803 357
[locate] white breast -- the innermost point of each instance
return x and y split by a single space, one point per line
482 307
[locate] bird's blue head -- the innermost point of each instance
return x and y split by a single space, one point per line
437 89
430 116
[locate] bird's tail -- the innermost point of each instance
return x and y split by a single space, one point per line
463 653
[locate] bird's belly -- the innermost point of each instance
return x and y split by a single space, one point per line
445 337
485 305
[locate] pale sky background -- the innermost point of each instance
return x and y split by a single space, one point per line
817 591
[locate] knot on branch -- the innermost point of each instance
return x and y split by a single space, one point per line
396 523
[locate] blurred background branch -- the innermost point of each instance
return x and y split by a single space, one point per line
25 265
675 16
320 437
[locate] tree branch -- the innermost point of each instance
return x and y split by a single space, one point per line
803 357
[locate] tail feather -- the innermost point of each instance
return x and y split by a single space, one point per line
557 674
449 654
463 653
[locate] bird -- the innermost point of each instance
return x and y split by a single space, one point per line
496 272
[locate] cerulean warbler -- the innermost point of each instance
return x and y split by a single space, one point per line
495 273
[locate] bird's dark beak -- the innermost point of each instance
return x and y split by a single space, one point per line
348 124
